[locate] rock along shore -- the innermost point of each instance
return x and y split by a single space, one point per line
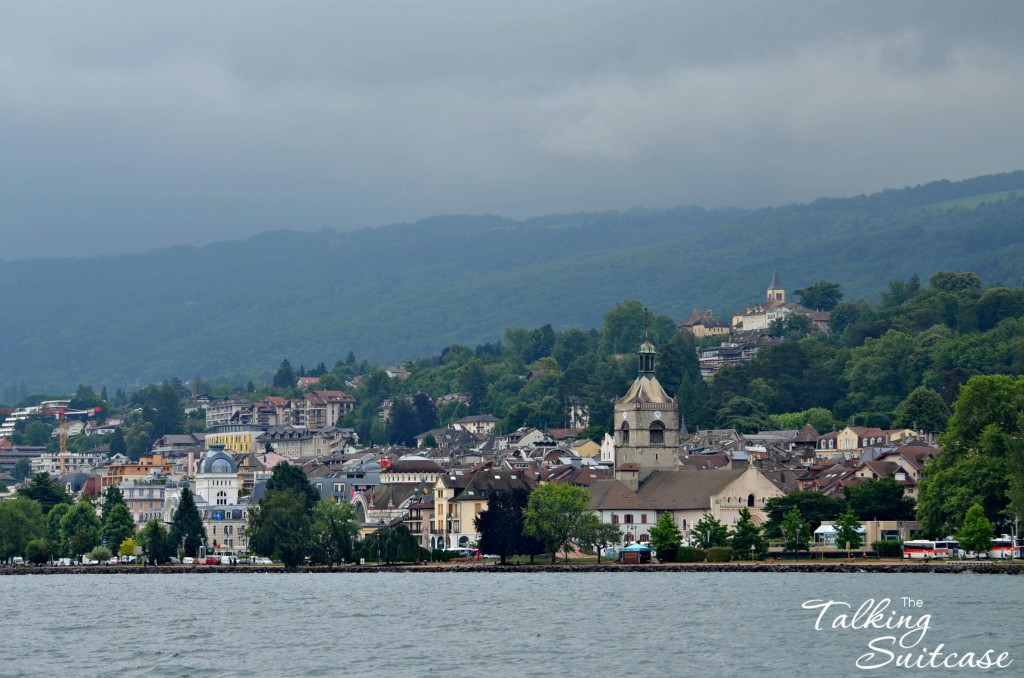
840 567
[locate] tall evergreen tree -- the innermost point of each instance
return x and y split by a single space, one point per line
288 477
118 525
117 442
46 491
285 375
501 525
154 540
112 496
187 530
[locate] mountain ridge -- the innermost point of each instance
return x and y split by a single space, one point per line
402 291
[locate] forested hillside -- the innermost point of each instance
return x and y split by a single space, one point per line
234 310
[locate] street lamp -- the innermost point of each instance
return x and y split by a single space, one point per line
785 541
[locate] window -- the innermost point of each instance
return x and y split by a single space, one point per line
625 432
643 518
657 433
615 519
629 518
222 498
750 500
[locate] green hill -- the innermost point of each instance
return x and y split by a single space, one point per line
407 290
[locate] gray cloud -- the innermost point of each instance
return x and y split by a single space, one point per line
126 126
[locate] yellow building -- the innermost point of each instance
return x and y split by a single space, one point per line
234 441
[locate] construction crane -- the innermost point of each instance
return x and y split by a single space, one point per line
59 409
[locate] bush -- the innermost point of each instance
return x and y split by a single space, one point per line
719 554
887 549
440 555
689 554
669 554
101 554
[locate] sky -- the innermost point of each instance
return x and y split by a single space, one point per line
128 126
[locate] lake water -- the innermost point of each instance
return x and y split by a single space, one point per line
469 624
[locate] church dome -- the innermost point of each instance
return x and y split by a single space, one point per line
216 460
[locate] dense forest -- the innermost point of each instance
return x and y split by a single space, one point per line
227 311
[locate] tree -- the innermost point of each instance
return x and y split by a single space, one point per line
333 530
399 545
472 380
37 433
923 410
848 531
44 489
280 527
21 521
187 531
709 532
949 281
977 531
813 506
101 554
821 296
950 490
796 531
80 528
426 412
288 477
39 551
127 548
748 537
118 525
166 413
285 375
22 469
743 414
879 499
154 540
666 538
554 514
501 526
112 496
53 528
596 535
1015 478
403 424
117 442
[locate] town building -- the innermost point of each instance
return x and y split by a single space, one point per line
775 307
646 425
704 324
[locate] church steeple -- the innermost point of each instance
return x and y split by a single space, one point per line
646 352
775 291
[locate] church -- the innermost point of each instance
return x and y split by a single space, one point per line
774 307
646 454
646 425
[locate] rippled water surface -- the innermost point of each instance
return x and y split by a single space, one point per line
468 624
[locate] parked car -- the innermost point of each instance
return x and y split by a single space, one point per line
260 560
188 560
212 560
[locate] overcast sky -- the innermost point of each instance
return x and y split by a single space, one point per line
126 126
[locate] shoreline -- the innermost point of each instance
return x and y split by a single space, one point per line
797 567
